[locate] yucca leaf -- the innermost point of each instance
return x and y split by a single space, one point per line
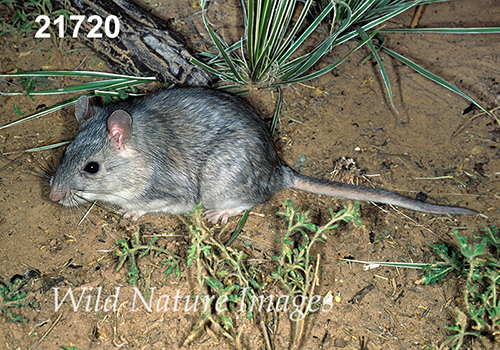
228 50
487 30
76 74
44 148
42 113
74 88
217 72
358 12
383 73
119 86
220 46
301 64
377 21
117 81
277 111
285 49
249 32
276 22
435 78
325 69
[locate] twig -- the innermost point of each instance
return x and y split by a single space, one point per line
416 16
115 329
48 331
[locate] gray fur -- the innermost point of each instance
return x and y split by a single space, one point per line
184 146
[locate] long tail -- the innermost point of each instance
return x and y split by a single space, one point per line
340 190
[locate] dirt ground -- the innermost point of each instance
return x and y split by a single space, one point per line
344 114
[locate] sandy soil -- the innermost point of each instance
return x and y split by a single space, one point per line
344 114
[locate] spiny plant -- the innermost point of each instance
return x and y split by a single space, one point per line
269 55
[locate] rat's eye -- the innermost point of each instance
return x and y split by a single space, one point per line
91 168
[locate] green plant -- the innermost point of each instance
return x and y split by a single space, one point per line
297 270
11 297
30 82
479 263
224 272
132 250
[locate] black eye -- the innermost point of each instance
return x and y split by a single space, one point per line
91 168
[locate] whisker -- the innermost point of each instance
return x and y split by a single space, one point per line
86 213
79 206
10 162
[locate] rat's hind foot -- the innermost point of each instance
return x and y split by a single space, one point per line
213 215
134 216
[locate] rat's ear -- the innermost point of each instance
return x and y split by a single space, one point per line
83 111
120 127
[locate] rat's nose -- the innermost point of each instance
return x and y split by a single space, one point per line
56 196
57 193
